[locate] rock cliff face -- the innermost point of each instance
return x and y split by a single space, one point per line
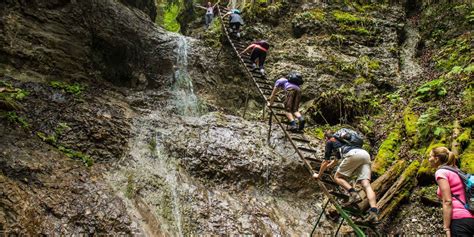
56 105
84 40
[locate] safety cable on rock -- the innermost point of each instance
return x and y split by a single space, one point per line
263 80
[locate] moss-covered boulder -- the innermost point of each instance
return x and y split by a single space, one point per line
308 22
409 120
388 152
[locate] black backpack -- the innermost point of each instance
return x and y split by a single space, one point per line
295 78
264 44
349 137
468 181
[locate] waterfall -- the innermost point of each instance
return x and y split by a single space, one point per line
185 101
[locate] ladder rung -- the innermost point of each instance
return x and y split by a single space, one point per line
300 139
338 194
307 149
276 107
312 159
328 181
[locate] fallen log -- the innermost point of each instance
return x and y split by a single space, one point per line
398 191
383 183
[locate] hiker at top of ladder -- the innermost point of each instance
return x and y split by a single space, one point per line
235 22
209 13
291 85
258 55
347 144
456 190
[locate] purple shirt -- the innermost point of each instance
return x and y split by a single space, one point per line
283 83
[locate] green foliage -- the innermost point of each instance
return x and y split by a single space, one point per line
360 80
468 98
464 138
428 125
87 160
10 95
388 152
469 69
367 65
394 97
75 88
470 17
53 140
213 34
456 52
338 38
13 118
170 15
271 12
312 15
359 30
431 89
318 132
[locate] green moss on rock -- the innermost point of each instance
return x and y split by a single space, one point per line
426 170
467 158
467 122
409 120
388 152
347 17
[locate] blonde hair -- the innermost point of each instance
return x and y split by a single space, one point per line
445 156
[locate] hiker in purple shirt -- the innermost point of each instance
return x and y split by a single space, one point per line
291 86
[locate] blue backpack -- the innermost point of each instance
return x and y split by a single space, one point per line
468 181
349 137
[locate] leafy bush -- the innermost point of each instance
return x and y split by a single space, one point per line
75 88
170 15
428 125
431 89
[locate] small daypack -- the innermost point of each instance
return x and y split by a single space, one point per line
349 137
295 78
468 181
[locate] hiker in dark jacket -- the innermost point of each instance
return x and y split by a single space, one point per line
292 100
354 161
235 22
457 220
258 55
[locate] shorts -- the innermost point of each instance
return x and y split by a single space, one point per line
292 100
355 161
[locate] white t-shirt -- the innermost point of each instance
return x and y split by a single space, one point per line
210 10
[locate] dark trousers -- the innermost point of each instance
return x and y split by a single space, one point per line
462 227
235 26
260 55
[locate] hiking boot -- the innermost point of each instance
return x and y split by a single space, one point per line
301 125
373 217
292 128
353 198
262 71
254 66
